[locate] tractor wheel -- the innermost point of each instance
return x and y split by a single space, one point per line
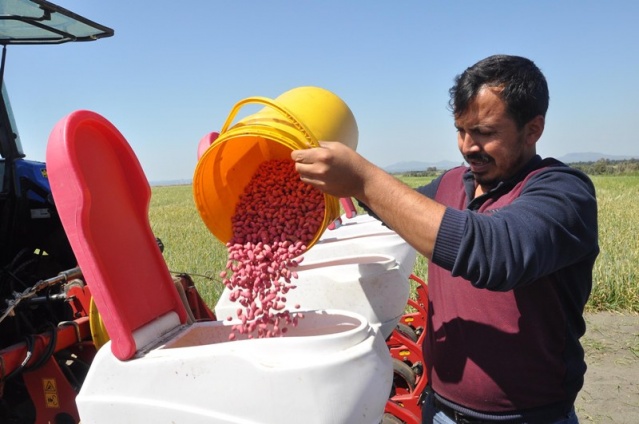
404 377
407 331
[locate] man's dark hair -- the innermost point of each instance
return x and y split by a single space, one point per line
525 90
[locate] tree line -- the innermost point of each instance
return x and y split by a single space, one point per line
599 167
609 167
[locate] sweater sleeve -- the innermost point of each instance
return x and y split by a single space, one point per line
551 225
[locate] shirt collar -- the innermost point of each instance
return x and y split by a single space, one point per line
469 180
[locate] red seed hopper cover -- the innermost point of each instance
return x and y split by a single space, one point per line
102 197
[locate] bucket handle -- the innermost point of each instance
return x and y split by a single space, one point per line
268 102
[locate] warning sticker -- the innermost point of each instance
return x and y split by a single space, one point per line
52 400
50 392
49 385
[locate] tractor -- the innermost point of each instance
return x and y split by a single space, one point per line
45 347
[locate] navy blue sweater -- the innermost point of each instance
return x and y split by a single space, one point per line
510 275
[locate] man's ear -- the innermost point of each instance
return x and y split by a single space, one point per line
534 129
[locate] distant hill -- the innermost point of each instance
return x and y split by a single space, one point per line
420 166
593 157
443 165
170 182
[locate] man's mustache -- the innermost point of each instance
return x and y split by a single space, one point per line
477 157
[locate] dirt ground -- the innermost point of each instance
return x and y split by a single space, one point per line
611 389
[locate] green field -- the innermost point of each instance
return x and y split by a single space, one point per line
190 247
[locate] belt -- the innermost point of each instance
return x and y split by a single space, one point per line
456 416
543 416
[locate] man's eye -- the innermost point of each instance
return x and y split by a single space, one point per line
484 133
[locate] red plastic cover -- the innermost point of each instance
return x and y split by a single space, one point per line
102 197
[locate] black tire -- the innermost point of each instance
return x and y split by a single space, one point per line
407 331
403 375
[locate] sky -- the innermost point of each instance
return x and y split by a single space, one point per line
174 70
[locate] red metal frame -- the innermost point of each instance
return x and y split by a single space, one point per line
405 404
50 389
67 335
52 392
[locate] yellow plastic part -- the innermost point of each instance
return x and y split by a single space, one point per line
295 120
98 331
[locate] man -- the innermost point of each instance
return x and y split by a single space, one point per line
511 241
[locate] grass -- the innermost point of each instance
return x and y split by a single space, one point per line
190 247
616 273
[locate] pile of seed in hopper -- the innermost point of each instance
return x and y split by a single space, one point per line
275 219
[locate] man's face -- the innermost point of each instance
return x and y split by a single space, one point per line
490 142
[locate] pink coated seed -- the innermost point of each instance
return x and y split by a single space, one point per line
275 219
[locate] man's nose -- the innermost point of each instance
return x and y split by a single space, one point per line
466 143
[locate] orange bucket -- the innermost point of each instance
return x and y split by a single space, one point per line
297 119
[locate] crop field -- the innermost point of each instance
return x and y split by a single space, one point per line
190 248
